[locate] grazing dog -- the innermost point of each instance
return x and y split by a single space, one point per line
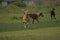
35 16
52 13
26 19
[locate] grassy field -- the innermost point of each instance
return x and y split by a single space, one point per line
52 33
11 26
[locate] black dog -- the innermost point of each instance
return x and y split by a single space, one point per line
52 13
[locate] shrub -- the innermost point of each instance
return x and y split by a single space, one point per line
15 17
20 4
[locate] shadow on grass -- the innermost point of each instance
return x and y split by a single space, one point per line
5 27
45 24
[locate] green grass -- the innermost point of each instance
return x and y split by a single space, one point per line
11 26
52 33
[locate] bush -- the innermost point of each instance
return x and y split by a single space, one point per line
20 17
15 17
20 4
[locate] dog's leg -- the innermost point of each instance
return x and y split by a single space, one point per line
37 20
33 21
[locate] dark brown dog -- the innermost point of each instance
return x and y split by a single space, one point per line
35 16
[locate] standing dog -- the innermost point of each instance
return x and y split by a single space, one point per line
52 13
26 18
35 16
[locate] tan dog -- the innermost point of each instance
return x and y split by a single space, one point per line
26 18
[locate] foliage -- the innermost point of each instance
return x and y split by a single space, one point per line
20 4
14 17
